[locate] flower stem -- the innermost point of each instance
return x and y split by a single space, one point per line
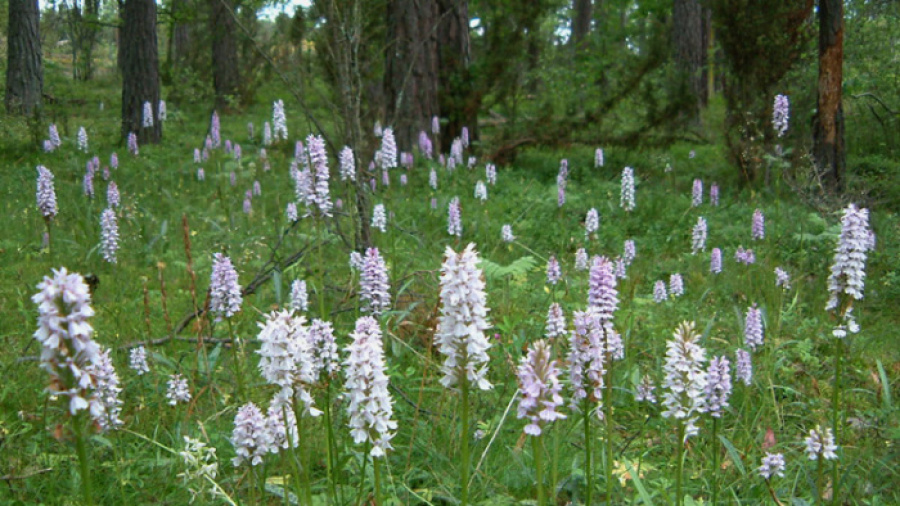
238 374
836 418
680 459
819 471
377 467
83 459
715 447
554 467
464 441
321 290
536 449
304 455
607 406
362 481
588 485
331 447
292 444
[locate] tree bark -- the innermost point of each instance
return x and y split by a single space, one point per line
690 40
120 36
411 69
829 152
24 71
456 92
89 30
181 34
581 23
140 70
226 74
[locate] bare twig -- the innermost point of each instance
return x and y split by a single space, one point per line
875 98
36 472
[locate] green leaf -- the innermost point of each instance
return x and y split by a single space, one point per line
518 267
885 386
642 491
733 453
276 281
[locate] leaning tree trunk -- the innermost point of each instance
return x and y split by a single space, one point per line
226 73
24 72
690 39
457 98
828 136
140 70
411 69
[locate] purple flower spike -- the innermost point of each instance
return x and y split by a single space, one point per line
348 164
758 230
581 260
715 261
848 272
291 212
46 193
718 386
659 292
591 222
743 366
780 114
460 333
820 444
602 293
629 253
225 297
539 383
553 271
698 236
676 285
556 322
686 379
697 194
454 218
772 465
370 405
374 288
753 328
109 231
133 144
379 218
388 150
250 438
626 200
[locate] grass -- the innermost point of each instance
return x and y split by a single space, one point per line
793 374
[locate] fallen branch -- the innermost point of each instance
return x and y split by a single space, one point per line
36 472
875 98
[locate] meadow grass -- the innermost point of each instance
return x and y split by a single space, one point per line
793 373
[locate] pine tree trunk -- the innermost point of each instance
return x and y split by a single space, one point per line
181 34
829 152
411 69
457 99
226 73
89 30
140 70
581 23
120 36
690 39
24 71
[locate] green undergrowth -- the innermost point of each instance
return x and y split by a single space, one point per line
148 293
